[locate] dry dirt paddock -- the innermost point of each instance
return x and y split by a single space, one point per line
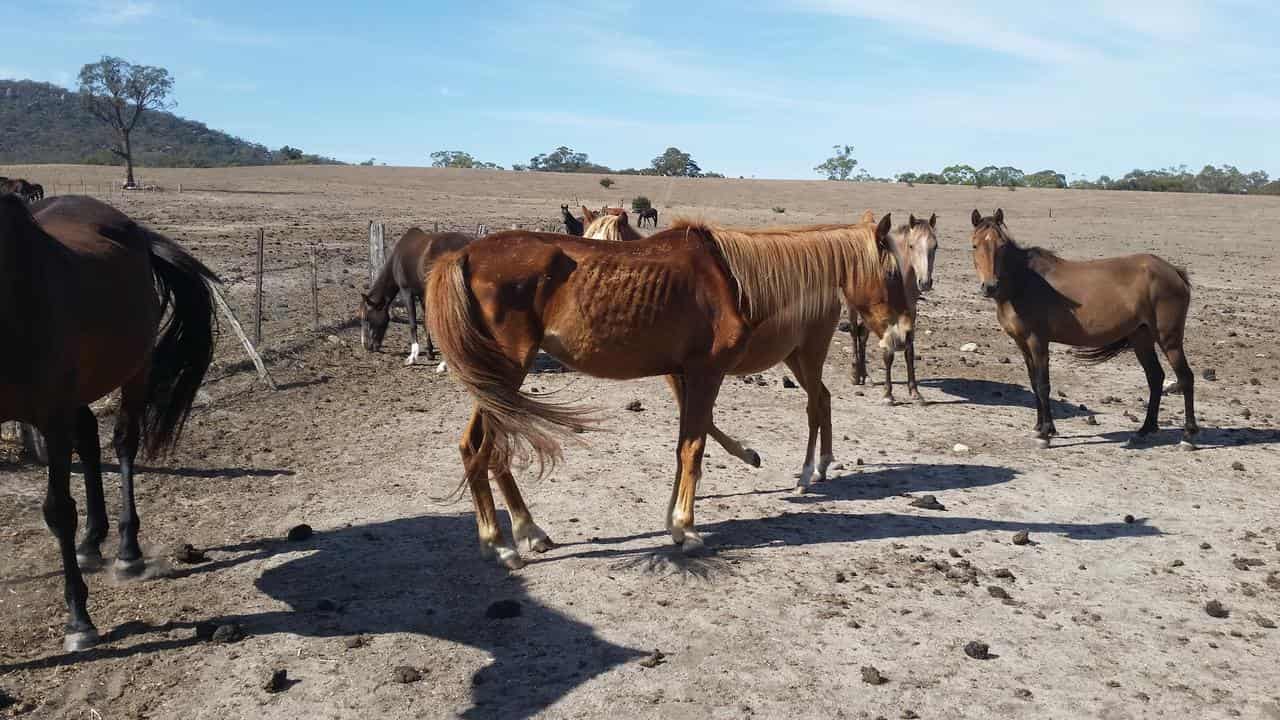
1096 617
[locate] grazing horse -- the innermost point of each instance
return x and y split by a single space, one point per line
91 301
1106 306
693 302
572 225
610 227
915 245
650 214
402 275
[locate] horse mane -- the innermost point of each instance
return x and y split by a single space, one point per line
611 227
1035 258
796 272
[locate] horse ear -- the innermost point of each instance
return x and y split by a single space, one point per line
587 215
933 220
867 216
882 231
999 217
911 220
976 218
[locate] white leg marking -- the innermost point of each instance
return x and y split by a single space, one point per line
533 535
806 476
824 462
413 354
441 368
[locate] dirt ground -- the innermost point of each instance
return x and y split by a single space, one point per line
796 595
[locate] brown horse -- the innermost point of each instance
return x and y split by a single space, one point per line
572 225
915 245
91 301
691 302
21 188
403 275
650 214
1106 306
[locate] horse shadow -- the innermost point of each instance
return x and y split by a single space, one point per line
993 393
877 482
1209 438
418 576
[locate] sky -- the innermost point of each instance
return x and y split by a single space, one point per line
755 87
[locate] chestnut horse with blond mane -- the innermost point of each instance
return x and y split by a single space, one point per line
693 302
1103 306
609 227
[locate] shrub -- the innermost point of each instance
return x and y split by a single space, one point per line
640 204
779 210
606 183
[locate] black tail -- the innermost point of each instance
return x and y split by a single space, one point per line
1094 356
185 348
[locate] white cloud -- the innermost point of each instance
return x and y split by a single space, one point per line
119 12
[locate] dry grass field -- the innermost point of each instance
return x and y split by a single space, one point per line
1099 616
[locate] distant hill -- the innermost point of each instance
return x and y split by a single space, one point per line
43 123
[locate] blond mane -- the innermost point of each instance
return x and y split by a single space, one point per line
611 227
795 273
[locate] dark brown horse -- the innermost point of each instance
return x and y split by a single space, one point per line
89 302
21 188
650 214
692 302
916 245
402 275
572 225
1105 306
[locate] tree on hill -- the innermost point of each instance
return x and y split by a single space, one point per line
562 159
839 166
675 163
459 159
117 93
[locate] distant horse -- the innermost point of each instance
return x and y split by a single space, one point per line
1106 306
650 214
402 275
572 225
609 227
694 302
21 188
915 244
91 301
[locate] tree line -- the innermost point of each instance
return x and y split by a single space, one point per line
673 162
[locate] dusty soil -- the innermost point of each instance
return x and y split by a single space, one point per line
1095 617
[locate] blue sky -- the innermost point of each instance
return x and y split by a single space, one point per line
749 88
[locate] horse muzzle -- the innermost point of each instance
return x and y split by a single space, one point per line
990 289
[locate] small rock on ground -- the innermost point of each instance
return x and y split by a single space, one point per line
189 555
1022 537
872 676
298 533
788 383
406 674
229 633
960 448
997 592
277 681
1265 622
503 609
1237 466
356 641
1216 609
1022 694
1004 573
1129 519
635 406
977 650
969 347
928 502
653 660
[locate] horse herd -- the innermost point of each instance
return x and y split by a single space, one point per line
99 302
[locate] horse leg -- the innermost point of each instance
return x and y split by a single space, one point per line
411 307
60 516
1031 374
912 389
129 562
811 408
475 447
858 332
431 348
89 552
733 447
887 356
523 528
1040 355
1144 347
1187 379
695 419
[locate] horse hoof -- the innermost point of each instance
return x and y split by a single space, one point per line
692 544
83 640
90 562
1187 446
802 489
509 558
129 569
753 458
1042 443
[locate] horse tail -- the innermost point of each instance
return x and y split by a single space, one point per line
1095 356
1182 273
518 426
185 347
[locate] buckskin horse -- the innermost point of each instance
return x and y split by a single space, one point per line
1103 306
402 275
90 301
693 302
915 244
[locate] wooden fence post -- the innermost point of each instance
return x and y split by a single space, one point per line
257 298
377 251
239 332
315 290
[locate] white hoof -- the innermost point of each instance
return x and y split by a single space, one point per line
413 355
534 538
824 462
1187 446
806 478
1042 443
692 543
510 558
75 642
441 368
129 568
